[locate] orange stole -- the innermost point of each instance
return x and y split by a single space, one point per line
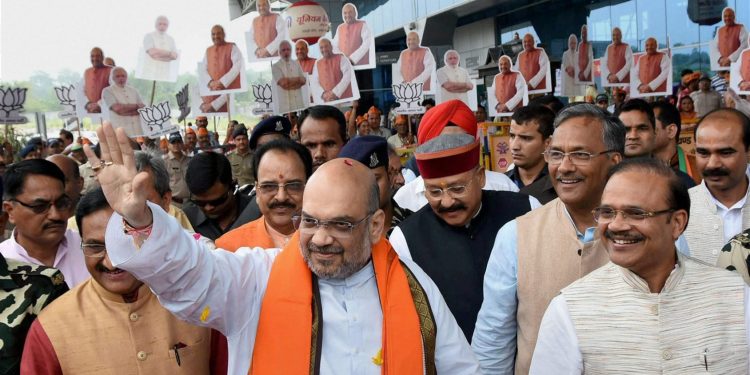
729 39
350 38
650 68
283 343
583 58
616 60
307 65
413 65
505 87
96 80
264 31
529 67
219 60
329 74
252 234
745 67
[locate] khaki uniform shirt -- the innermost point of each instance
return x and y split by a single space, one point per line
242 167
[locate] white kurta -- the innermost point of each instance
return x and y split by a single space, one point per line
664 65
516 99
224 291
625 68
569 87
155 69
541 74
227 78
360 52
288 100
736 53
114 94
346 79
451 74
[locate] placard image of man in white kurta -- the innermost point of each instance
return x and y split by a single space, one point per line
354 39
333 80
289 82
568 70
415 64
267 31
158 58
453 80
616 62
509 90
121 103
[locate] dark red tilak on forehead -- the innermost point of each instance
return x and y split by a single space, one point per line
348 162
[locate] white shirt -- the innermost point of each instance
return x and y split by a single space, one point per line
664 65
288 100
557 343
731 217
360 52
69 258
411 196
224 291
453 74
543 67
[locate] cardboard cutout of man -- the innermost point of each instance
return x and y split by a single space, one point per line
616 62
533 64
568 67
333 74
584 59
95 79
651 72
416 63
301 48
268 30
160 54
122 102
289 80
222 64
729 42
509 87
453 80
353 37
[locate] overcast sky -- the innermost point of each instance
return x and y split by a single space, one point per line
52 35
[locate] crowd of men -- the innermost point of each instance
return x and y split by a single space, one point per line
305 245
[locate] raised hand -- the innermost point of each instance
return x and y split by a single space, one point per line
122 185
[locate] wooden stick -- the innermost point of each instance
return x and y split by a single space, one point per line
153 91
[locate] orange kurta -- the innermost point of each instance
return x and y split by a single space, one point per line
283 343
650 68
264 30
729 39
252 234
528 65
219 62
96 79
350 38
505 87
307 65
583 59
413 65
329 74
616 59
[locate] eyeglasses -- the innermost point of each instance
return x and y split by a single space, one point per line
555 157
94 250
214 203
336 228
454 191
63 203
269 188
606 215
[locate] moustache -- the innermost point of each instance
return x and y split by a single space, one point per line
53 223
99 267
568 177
715 172
622 236
284 204
453 208
330 249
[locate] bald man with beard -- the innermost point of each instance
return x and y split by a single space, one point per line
454 80
333 72
730 40
95 79
533 64
353 37
618 59
301 48
652 70
510 87
221 63
269 30
585 56
416 63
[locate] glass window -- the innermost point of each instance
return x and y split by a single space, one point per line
651 21
507 33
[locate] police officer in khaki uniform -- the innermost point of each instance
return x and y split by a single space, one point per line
177 163
241 159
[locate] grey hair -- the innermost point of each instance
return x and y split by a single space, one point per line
612 128
446 142
149 160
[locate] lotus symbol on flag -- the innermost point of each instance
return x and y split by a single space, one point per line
408 93
263 94
11 103
182 103
156 115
